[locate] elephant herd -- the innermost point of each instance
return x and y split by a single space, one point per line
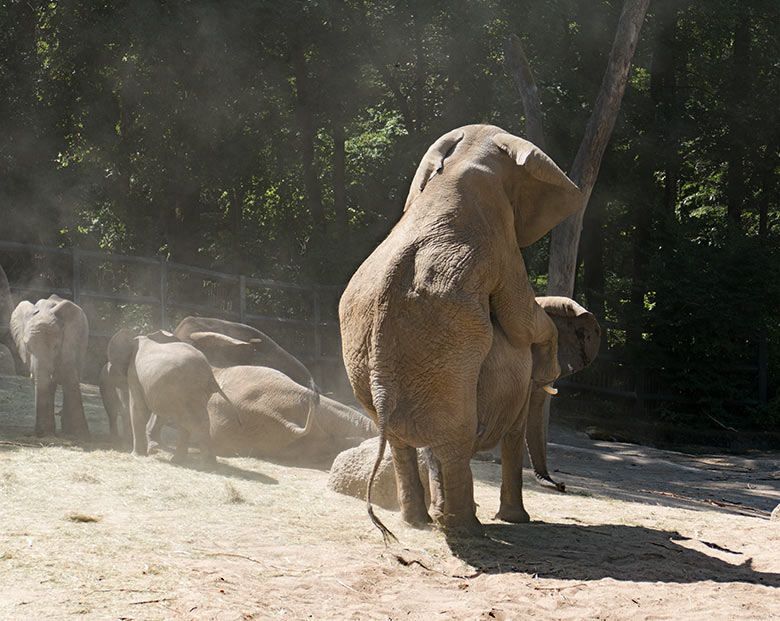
227 385
443 340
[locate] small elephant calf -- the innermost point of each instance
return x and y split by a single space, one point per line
170 378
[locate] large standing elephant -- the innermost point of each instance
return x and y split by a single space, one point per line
51 337
278 416
170 378
511 408
416 316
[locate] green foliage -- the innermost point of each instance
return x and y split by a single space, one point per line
278 140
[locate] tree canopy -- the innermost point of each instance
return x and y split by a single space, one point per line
278 139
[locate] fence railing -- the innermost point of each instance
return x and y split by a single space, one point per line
169 291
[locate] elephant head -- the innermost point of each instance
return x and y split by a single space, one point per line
540 193
121 350
51 337
579 337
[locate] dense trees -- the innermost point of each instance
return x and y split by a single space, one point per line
279 138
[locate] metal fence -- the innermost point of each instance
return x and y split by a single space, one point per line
154 293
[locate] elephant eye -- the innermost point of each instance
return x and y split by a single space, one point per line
36 311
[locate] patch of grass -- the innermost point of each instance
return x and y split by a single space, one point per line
233 495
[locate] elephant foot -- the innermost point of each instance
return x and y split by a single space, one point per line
460 526
515 515
135 453
416 517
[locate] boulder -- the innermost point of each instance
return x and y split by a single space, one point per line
351 469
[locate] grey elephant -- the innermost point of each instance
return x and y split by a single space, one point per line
261 349
416 316
170 378
511 407
51 337
113 392
279 418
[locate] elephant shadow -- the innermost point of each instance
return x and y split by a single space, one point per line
584 552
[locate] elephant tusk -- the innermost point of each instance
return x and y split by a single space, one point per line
548 388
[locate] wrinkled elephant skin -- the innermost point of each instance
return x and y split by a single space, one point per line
416 316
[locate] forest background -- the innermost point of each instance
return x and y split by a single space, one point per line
278 140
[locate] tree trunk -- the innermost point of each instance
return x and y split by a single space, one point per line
305 117
529 93
340 183
740 87
584 170
593 257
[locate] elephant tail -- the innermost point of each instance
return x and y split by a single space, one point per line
384 403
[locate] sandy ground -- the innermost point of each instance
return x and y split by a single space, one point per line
90 532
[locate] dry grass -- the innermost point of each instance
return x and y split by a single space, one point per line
92 532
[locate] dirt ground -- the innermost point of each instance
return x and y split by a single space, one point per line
93 533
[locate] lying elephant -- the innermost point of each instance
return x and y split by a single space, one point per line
51 337
170 378
278 416
260 349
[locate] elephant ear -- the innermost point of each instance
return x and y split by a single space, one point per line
432 163
544 196
19 318
121 349
579 333
225 347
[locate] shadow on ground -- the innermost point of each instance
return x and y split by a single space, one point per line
629 553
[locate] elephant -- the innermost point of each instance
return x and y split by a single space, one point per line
261 350
513 411
279 418
170 378
51 337
416 316
113 392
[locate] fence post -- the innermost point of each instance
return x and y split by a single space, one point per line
76 284
242 298
163 293
317 334
762 364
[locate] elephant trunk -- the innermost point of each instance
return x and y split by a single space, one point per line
337 420
536 436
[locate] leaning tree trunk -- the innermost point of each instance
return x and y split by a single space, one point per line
566 236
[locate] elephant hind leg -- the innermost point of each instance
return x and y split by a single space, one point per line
411 494
457 487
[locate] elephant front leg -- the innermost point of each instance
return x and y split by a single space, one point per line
139 415
182 447
45 387
411 494
74 422
512 451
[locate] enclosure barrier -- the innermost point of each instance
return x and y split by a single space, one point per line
301 326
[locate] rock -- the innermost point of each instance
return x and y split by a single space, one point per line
351 469
7 366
